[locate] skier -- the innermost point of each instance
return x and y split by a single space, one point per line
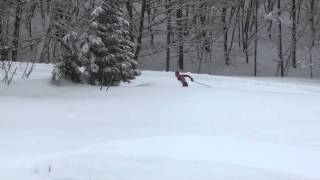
182 78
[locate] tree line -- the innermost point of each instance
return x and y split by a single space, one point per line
197 27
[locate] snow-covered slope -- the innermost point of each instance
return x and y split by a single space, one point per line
153 129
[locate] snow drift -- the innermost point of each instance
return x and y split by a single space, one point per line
152 128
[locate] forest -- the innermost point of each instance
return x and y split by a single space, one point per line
231 37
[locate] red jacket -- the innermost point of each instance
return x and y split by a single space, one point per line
182 78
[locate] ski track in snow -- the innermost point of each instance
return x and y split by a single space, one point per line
242 128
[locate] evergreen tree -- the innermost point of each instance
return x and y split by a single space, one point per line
69 65
106 48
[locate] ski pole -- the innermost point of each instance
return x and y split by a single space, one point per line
206 85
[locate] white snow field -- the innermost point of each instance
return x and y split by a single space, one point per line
153 129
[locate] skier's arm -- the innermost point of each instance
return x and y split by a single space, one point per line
185 75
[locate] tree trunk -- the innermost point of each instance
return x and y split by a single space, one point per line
130 14
294 35
16 30
180 36
1 40
313 34
280 50
256 37
239 19
269 10
150 19
169 29
141 25
246 30
225 32
5 37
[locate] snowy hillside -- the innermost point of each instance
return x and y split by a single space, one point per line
153 129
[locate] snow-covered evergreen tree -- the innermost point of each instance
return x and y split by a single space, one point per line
106 48
69 64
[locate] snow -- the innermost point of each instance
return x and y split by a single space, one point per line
97 11
152 128
85 48
95 40
69 37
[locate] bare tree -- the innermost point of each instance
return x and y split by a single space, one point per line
256 37
140 31
294 34
179 16
16 31
246 29
169 29
269 9
312 13
129 6
280 48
